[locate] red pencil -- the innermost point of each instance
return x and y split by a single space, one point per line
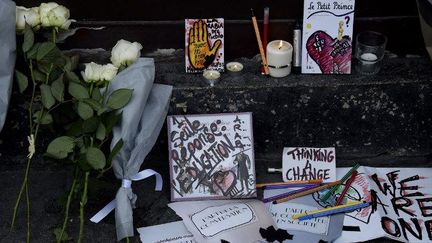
347 186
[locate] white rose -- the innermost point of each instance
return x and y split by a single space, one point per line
95 73
125 53
108 72
27 15
54 15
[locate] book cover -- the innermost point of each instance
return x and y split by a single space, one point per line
327 36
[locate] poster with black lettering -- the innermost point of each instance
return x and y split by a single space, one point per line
216 221
204 45
300 163
401 205
327 36
211 156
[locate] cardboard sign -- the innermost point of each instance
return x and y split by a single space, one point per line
300 164
327 36
211 156
401 205
204 45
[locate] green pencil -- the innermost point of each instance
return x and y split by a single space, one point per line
344 178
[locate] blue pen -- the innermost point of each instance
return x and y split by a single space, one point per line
335 211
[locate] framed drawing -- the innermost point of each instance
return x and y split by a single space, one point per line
211 156
204 45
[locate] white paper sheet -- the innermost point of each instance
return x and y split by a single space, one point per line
174 232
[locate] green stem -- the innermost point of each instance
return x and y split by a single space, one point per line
69 199
54 32
82 205
59 104
127 240
28 213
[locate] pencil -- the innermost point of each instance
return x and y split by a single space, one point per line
336 211
347 186
258 37
270 187
304 193
344 178
348 204
286 194
259 185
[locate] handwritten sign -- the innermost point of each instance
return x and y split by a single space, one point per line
282 214
211 156
204 44
214 220
327 36
300 163
401 205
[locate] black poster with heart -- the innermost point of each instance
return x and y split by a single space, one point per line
211 156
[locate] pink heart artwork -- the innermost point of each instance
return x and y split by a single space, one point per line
333 56
224 181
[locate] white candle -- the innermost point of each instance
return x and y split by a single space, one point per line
211 76
234 66
279 56
368 57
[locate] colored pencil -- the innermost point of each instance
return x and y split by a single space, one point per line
259 185
348 204
304 193
270 187
346 187
286 194
336 211
344 178
265 32
260 46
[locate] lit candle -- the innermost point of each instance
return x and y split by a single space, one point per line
211 76
234 67
369 57
279 56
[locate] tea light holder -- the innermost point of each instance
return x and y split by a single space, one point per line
234 67
279 57
211 76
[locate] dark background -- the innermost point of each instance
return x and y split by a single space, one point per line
160 24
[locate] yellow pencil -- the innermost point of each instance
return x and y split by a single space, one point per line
350 203
259 185
301 194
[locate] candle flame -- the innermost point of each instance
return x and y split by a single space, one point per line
280 44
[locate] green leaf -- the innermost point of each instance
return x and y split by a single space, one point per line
96 94
22 81
48 51
60 147
57 89
71 63
45 67
64 237
114 151
32 53
47 98
96 158
95 105
84 110
101 132
72 77
39 76
78 91
45 119
90 125
110 119
119 98
75 129
28 38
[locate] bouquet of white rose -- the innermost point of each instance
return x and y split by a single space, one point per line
94 104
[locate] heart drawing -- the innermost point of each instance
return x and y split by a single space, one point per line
332 55
224 181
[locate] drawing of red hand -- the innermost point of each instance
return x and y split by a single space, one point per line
201 55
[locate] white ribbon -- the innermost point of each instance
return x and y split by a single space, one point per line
127 184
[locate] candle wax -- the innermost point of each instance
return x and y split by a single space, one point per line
368 57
